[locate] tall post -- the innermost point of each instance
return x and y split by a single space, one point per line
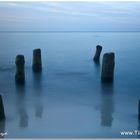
2 114
96 57
108 64
20 74
37 62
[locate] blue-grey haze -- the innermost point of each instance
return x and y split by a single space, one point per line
67 99
69 16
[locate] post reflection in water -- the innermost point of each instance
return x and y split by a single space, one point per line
2 128
21 105
97 67
107 104
37 88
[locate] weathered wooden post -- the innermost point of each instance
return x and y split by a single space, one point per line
96 57
108 64
37 62
20 74
139 110
2 114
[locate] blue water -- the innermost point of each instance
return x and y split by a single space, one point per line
67 99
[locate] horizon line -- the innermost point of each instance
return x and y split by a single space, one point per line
64 31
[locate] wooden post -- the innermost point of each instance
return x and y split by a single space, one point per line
20 74
2 114
37 62
96 57
108 64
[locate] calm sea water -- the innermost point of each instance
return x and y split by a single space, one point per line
67 98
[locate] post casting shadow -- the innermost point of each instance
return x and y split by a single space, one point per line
21 105
107 104
37 87
97 67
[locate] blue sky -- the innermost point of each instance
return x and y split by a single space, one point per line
70 16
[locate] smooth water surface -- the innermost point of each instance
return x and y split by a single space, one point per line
67 99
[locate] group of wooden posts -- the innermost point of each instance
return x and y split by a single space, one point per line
107 72
20 74
37 65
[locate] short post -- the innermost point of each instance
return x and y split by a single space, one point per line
37 63
20 74
96 57
108 64
2 114
139 110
